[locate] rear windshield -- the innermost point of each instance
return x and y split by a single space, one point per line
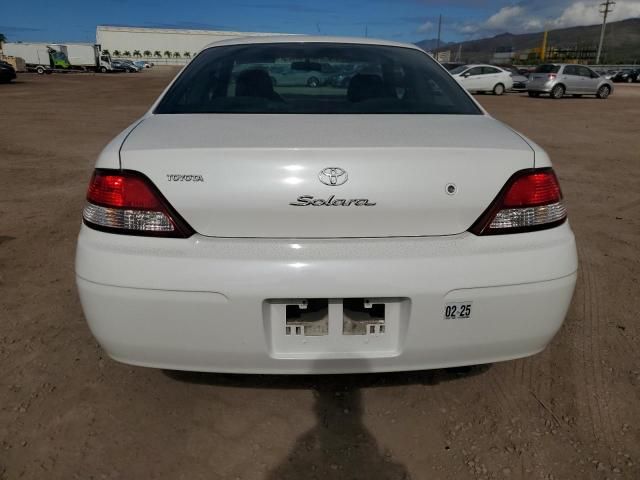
548 69
458 69
322 78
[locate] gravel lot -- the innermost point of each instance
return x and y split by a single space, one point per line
67 411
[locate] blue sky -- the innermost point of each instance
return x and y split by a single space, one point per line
403 20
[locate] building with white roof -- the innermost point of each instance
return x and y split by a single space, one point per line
160 45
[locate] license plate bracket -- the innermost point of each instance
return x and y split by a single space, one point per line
335 327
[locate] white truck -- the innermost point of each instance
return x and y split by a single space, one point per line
86 56
52 57
37 56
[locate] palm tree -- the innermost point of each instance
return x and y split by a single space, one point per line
106 52
116 53
3 39
167 53
136 53
147 53
187 54
127 53
157 54
176 54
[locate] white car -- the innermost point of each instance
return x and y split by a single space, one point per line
483 78
388 225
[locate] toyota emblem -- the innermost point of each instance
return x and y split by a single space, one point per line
333 176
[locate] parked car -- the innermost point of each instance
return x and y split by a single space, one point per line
131 63
302 73
7 72
345 73
451 65
519 81
124 66
119 66
627 75
394 225
483 78
608 74
142 64
558 79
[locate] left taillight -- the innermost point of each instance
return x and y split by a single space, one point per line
129 203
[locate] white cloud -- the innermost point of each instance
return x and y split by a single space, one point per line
425 27
535 16
584 13
504 18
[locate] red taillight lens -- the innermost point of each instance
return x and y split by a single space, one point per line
530 200
128 202
533 190
120 191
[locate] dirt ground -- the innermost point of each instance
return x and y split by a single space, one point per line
69 412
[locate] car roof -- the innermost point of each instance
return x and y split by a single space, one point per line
309 39
471 65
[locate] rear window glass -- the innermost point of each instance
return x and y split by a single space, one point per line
457 70
322 78
548 69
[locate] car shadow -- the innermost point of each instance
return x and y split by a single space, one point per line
314 381
585 96
339 446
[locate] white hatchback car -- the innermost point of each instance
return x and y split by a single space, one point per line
483 78
386 224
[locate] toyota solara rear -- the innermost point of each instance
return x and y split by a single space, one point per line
316 205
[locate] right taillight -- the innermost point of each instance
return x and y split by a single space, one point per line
530 200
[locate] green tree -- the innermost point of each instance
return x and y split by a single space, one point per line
3 38
167 53
116 53
136 53
147 53
176 54
157 54
187 54
127 53
106 52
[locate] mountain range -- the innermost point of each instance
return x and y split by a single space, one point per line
621 43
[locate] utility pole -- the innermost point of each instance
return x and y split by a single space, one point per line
605 9
439 29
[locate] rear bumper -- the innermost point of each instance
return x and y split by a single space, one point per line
200 304
542 87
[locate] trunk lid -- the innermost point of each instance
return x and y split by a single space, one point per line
238 175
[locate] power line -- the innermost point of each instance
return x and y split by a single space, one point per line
605 9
